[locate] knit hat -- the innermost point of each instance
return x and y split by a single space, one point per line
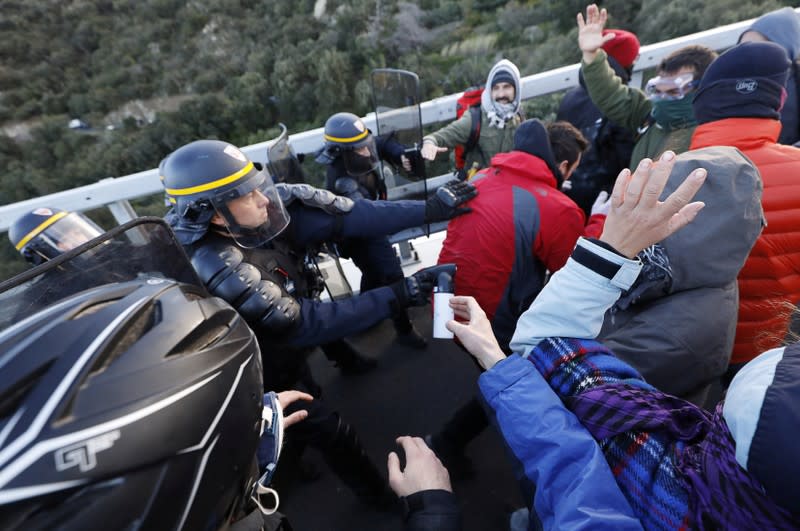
504 76
532 138
624 47
746 81
762 411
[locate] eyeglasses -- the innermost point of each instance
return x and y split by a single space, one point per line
670 88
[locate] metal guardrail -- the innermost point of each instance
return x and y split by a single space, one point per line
114 193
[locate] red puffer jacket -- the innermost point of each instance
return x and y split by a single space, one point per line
770 277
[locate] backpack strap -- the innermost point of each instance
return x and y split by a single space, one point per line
475 131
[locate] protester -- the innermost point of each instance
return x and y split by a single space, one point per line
423 486
678 465
738 104
610 145
500 116
521 226
676 324
782 27
662 115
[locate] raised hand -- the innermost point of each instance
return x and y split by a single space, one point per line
637 218
590 31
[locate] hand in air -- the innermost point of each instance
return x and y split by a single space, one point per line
637 219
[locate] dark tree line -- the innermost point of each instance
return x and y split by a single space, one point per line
246 65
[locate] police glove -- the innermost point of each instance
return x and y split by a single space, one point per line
446 202
416 289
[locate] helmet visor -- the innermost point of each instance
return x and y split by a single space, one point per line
670 87
64 235
361 159
253 212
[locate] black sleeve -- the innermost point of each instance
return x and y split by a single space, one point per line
367 219
389 149
432 510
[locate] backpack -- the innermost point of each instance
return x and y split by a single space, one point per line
470 100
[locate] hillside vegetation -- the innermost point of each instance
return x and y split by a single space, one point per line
151 75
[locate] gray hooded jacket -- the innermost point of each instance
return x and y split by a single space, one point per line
783 28
677 323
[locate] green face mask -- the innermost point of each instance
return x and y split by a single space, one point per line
674 114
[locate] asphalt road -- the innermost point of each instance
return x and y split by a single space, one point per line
410 392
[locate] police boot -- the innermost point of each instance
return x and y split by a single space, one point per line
406 333
348 460
347 357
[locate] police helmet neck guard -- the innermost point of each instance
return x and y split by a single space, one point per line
202 178
45 233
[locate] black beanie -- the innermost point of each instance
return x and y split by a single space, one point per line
531 137
504 76
747 81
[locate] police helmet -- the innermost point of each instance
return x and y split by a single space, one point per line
133 405
347 137
210 177
45 233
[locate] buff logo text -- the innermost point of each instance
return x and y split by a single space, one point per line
746 86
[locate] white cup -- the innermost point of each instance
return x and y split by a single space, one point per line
442 312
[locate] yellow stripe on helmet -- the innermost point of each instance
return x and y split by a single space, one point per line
35 232
213 184
356 138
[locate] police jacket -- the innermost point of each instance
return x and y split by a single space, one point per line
268 285
771 276
520 227
338 181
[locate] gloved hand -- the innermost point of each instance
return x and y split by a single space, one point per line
601 205
446 202
416 289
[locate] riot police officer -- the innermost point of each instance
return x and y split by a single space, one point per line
353 155
247 242
44 233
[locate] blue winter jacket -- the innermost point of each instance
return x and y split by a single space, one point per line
575 488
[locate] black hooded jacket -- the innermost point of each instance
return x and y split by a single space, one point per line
610 145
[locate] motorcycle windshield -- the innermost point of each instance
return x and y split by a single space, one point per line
142 248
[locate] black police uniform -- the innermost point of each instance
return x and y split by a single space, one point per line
271 287
374 257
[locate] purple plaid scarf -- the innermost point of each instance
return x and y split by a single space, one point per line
721 494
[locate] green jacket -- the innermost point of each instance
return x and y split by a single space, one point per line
490 142
630 108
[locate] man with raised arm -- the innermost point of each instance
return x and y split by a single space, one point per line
661 115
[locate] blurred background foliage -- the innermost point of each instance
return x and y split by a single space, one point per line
147 76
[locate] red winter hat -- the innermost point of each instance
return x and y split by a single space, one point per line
624 47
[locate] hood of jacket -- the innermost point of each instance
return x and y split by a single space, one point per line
713 248
520 164
781 27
